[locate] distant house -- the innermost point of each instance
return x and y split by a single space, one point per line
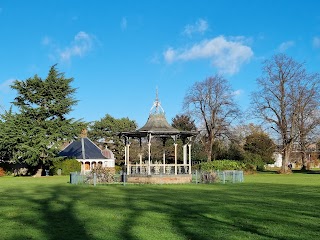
277 160
88 154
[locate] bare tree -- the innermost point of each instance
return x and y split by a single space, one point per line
308 117
285 97
211 103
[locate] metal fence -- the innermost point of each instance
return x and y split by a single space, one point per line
226 176
94 178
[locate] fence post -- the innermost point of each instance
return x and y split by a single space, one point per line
94 179
124 178
196 176
224 177
76 179
233 176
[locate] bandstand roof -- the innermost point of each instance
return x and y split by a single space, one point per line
157 124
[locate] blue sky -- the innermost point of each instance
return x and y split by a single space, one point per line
119 52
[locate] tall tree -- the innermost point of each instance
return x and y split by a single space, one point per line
183 123
261 144
11 134
308 116
107 129
211 103
43 108
286 94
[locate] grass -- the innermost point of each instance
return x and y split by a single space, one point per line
265 206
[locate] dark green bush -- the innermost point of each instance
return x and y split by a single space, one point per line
253 161
221 165
66 166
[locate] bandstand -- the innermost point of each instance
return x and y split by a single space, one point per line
149 170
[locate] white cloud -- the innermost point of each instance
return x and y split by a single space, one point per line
169 55
316 42
200 26
5 86
81 45
237 92
226 55
285 46
124 23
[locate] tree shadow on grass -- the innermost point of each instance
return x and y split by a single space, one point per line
259 211
231 211
44 213
307 171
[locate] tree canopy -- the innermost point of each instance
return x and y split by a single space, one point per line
106 130
211 103
42 123
288 99
261 144
183 123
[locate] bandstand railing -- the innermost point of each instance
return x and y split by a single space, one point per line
158 168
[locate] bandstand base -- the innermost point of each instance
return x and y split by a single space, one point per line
160 179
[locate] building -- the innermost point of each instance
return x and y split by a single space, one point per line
88 154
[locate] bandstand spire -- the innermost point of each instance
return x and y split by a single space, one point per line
156 107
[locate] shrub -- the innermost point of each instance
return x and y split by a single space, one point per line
221 165
66 166
2 172
118 168
103 174
195 167
253 161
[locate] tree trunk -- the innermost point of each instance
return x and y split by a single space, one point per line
286 159
304 160
38 173
209 155
209 149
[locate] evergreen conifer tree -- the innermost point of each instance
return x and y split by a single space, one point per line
42 123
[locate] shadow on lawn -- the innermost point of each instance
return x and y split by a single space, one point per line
55 215
241 211
231 211
306 171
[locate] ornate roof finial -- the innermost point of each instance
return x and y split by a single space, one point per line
157 94
156 107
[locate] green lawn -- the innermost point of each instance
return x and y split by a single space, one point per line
265 206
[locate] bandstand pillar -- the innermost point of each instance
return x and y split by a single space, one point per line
189 145
164 161
185 153
175 159
128 158
149 158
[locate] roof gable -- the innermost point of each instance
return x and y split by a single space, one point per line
82 149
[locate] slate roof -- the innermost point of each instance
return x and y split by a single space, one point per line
83 148
157 125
